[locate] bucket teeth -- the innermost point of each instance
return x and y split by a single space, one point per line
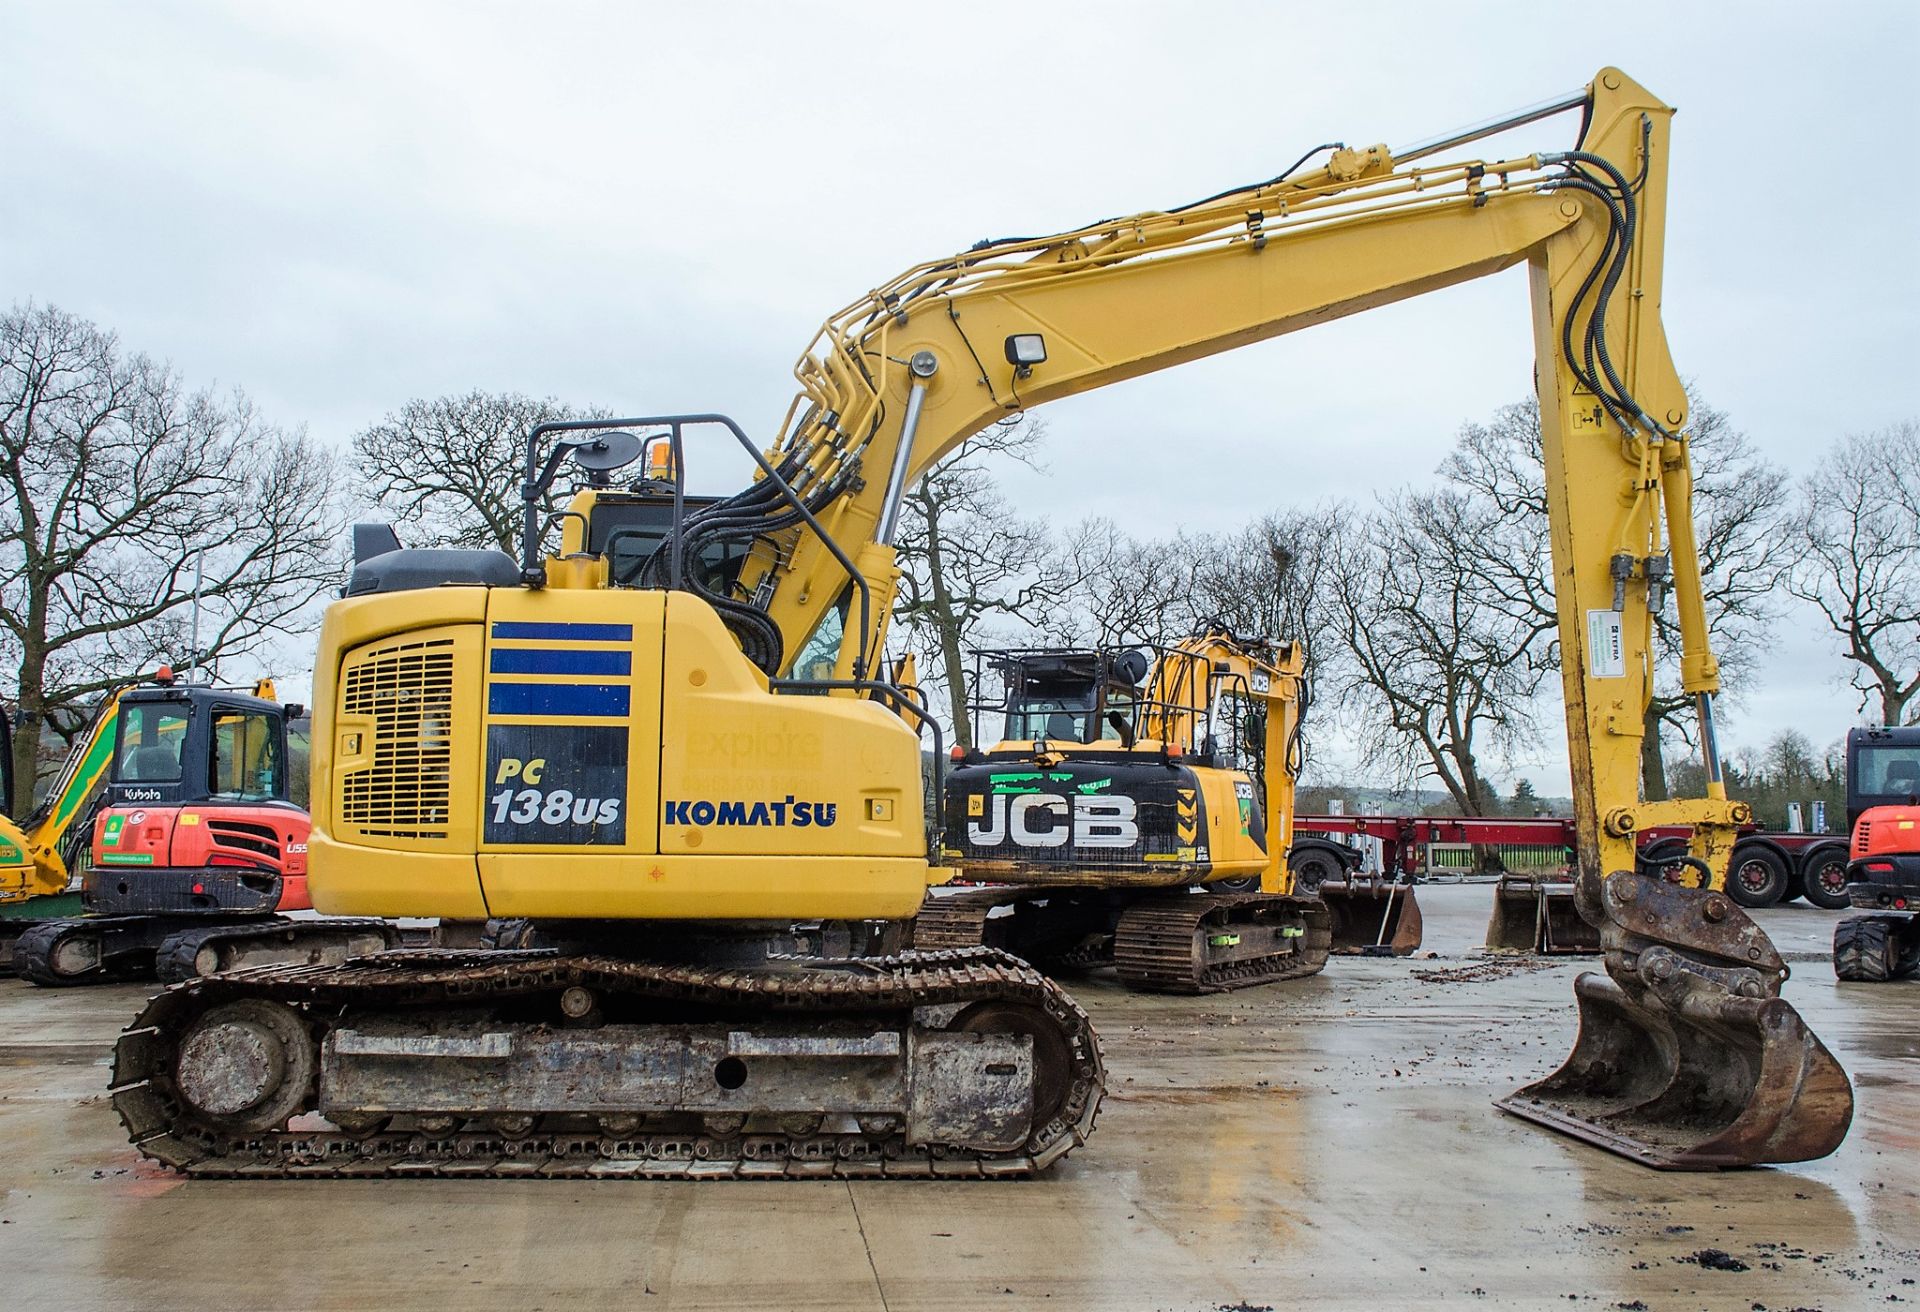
1687 1058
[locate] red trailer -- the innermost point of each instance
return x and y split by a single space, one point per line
1533 900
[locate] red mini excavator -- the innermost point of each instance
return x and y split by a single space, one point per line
1883 869
196 850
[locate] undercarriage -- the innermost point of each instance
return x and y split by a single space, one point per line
1164 941
110 948
538 1062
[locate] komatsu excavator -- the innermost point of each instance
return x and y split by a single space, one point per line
611 741
1123 780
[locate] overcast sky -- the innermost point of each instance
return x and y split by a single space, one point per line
651 207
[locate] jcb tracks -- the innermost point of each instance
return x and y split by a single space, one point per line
273 1022
959 920
1211 942
1061 930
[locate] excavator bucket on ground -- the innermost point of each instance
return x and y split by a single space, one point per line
1372 916
1538 915
1688 1058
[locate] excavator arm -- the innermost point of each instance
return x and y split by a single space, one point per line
35 852
901 377
898 380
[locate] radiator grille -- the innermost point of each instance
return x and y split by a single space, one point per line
1863 838
257 840
407 692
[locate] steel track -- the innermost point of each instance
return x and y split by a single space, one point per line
164 1128
176 958
1158 943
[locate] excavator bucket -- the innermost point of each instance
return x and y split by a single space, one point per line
1538 915
1687 1057
1372 916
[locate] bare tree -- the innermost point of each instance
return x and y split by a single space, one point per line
448 470
1439 671
1115 588
968 561
123 492
1743 553
1273 579
1858 531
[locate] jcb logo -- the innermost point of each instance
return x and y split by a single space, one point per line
1050 820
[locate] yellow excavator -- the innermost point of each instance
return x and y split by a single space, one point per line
610 740
1137 803
41 854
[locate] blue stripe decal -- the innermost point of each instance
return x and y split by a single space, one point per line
532 660
564 632
590 699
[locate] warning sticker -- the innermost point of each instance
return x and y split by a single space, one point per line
1606 645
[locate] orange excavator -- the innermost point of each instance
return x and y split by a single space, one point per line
197 848
1883 872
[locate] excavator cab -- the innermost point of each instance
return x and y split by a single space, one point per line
1070 696
197 817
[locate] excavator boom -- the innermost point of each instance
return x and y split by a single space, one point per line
901 377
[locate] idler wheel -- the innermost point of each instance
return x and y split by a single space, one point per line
1052 1057
247 1065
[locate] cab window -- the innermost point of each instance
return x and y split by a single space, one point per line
1891 771
821 652
149 748
299 760
246 764
1061 719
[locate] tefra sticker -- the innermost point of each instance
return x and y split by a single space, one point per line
1606 645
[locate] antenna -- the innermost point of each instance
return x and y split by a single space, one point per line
193 638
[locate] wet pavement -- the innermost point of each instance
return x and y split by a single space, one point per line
1329 1141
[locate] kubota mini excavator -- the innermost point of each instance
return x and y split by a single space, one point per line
611 744
1121 781
196 848
1883 869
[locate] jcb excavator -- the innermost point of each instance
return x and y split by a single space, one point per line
1123 780
196 846
609 741
41 854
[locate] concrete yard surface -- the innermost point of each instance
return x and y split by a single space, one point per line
1326 1142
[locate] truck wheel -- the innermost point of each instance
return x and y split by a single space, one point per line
1756 877
1241 884
1656 856
1863 950
1312 869
1825 872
